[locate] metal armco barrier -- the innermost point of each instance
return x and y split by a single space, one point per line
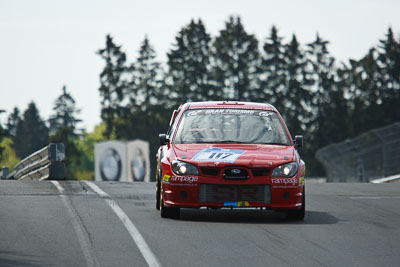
372 155
4 173
47 163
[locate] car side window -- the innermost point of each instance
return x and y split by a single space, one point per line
173 125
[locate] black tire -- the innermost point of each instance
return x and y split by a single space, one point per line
298 215
167 212
158 193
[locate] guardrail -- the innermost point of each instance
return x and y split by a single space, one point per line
372 155
47 163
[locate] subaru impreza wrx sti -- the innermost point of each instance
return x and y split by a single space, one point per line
229 155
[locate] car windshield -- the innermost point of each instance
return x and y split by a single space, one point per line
237 126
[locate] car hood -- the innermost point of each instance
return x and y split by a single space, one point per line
252 155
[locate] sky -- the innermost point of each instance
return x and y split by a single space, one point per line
45 44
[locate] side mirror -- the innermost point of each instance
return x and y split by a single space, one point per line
163 139
298 141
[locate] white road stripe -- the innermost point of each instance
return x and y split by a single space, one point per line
58 186
82 235
376 197
148 255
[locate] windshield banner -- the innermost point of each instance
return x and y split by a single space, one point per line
226 111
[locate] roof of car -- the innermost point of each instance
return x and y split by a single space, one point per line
229 104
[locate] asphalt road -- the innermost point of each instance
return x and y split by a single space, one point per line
75 225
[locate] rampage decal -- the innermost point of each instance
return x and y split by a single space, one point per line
217 154
184 180
284 181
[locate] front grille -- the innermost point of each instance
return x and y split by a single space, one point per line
236 174
210 171
228 193
260 172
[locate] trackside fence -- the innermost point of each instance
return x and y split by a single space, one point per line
47 163
372 155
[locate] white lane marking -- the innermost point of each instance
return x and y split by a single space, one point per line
386 179
148 255
83 236
58 186
376 197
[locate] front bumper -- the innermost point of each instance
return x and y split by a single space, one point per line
198 191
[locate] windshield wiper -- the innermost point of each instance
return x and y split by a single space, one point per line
272 143
218 142
231 142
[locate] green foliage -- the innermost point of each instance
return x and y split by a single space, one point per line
85 145
113 84
189 64
65 113
12 121
8 157
31 133
317 98
3 134
236 57
272 69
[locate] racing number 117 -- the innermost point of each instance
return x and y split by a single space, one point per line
219 155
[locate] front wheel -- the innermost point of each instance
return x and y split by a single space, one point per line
167 212
158 193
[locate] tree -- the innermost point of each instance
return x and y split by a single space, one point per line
65 113
189 63
3 134
31 133
150 105
63 129
388 59
146 83
113 84
64 135
236 59
273 69
296 98
85 144
13 119
328 103
8 157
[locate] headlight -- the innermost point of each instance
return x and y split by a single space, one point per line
184 168
285 170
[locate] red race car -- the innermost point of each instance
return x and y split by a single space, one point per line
229 155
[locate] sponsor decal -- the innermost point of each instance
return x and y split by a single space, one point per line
301 181
237 204
230 111
284 180
110 165
138 165
166 178
217 154
194 113
264 114
184 179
